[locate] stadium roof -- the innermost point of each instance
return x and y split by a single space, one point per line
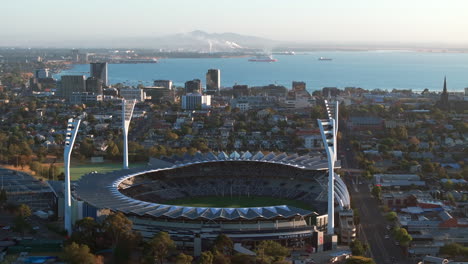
101 190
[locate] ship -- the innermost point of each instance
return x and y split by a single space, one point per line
263 58
325 59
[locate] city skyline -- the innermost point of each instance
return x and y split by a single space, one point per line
93 24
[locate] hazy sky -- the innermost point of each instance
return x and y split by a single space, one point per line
32 22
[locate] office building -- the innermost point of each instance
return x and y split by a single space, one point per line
163 83
299 86
42 73
99 70
94 85
130 94
213 81
158 94
72 84
240 90
196 101
85 97
193 86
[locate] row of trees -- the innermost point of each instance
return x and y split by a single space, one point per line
116 233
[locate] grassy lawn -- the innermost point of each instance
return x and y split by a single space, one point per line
78 170
236 202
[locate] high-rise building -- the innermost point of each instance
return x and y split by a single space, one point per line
163 83
193 86
42 73
240 90
75 55
94 85
72 84
213 81
299 86
99 70
196 101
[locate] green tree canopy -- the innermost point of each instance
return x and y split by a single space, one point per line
206 257
78 254
359 260
183 259
272 250
223 244
159 247
402 236
358 248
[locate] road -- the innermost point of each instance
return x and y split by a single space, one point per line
372 228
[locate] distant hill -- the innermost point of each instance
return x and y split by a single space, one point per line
202 41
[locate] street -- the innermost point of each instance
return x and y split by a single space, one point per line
372 228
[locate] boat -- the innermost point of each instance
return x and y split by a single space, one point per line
325 59
263 58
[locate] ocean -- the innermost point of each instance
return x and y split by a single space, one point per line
385 70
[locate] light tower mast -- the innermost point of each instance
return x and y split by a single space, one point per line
127 112
327 129
72 130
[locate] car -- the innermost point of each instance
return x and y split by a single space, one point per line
35 228
387 236
6 227
397 243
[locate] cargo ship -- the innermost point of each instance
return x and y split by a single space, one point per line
325 59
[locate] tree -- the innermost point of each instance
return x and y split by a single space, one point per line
183 259
171 136
118 228
359 260
206 257
242 259
159 247
454 250
20 225
402 236
358 248
272 250
223 244
377 191
86 232
428 167
24 211
78 254
219 258
391 216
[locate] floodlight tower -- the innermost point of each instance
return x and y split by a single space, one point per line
127 112
327 129
72 130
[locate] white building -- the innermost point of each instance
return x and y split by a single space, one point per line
243 106
133 94
196 101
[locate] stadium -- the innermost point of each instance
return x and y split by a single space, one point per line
247 196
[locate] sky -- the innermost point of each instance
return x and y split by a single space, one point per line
62 22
